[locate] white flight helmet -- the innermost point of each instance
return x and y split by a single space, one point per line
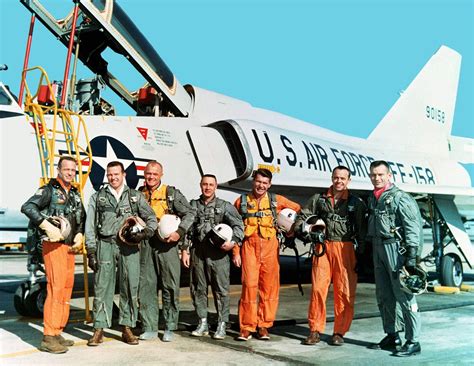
62 224
220 234
286 219
314 223
168 224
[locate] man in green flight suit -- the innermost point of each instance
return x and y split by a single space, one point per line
159 257
395 230
209 260
109 208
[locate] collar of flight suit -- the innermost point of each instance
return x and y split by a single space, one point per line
378 192
116 194
63 184
213 200
344 196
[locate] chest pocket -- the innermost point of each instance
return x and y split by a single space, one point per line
382 217
111 217
207 217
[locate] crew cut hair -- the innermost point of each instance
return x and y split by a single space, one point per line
65 157
342 167
209 176
115 163
377 163
263 172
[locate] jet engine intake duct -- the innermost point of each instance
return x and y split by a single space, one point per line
221 148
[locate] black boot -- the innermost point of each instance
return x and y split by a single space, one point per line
409 349
391 342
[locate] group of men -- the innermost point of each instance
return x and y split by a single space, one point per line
146 260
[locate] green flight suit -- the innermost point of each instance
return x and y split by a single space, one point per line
394 209
211 265
105 218
160 265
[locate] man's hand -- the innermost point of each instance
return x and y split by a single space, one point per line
78 244
137 237
53 233
92 261
410 257
185 258
237 260
173 238
227 246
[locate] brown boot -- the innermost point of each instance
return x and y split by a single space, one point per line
64 341
312 339
97 337
51 344
128 337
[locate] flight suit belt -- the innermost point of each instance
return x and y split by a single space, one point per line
58 242
109 239
339 238
389 240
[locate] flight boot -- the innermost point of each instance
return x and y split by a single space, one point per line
391 342
312 339
409 349
202 328
64 341
168 336
220 331
128 337
97 338
51 344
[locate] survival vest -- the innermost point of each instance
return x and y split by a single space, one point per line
110 217
160 200
63 204
340 224
382 214
207 216
259 216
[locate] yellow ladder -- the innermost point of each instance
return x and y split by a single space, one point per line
58 132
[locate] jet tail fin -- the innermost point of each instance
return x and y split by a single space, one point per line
422 118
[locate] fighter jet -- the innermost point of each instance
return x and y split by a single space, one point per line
193 131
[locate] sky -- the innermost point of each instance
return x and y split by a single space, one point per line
339 64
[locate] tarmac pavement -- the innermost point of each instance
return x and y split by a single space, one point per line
446 337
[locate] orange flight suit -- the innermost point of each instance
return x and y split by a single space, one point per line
337 265
59 268
260 263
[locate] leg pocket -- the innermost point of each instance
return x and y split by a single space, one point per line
395 259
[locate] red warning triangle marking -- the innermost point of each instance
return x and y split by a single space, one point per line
40 127
143 132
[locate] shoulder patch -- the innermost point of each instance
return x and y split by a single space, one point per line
39 192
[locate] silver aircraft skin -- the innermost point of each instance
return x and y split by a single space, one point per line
192 131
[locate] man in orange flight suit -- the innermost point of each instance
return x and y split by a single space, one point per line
258 256
58 198
344 215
